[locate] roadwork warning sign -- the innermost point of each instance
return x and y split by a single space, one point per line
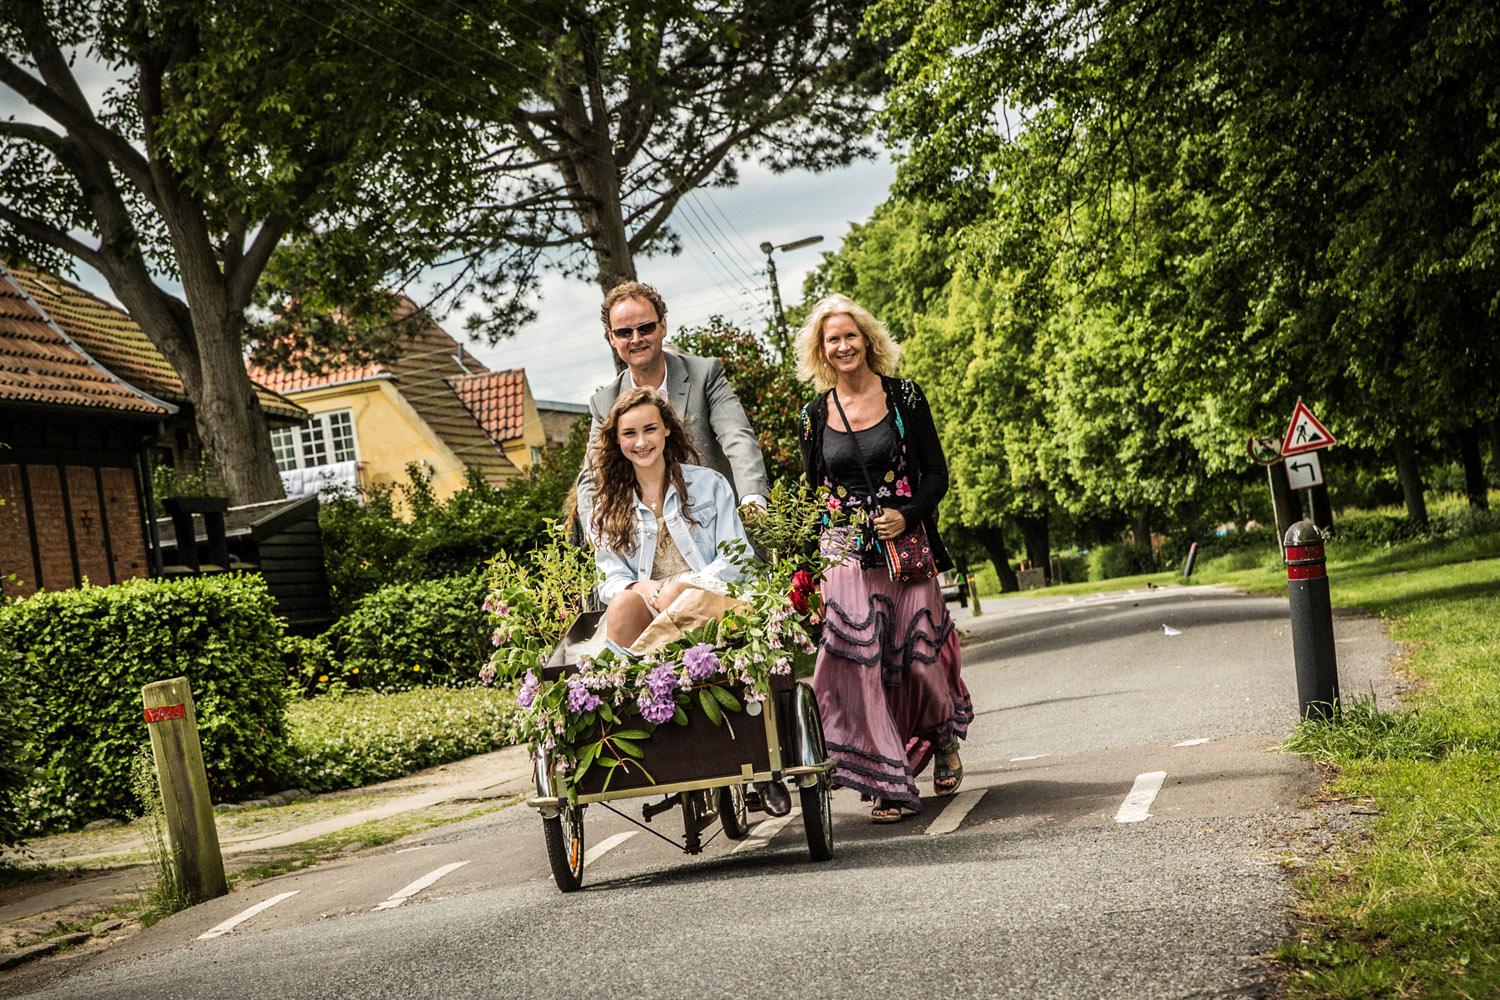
1305 433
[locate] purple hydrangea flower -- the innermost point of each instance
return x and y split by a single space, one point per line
527 694
656 709
701 662
580 698
662 681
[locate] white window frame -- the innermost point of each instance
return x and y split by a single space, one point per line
296 447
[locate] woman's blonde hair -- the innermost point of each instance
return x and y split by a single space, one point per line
881 351
615 487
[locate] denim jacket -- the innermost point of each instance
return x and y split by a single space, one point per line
716 518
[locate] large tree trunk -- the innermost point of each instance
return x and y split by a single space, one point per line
1411 480
993 540
1475 488
1140 530
1035 534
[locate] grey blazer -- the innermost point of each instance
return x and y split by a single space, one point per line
704 399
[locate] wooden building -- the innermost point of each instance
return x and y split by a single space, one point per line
74 473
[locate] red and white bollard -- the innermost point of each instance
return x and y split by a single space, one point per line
1312 623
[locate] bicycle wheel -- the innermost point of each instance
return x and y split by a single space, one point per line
564 836
733 813
817 818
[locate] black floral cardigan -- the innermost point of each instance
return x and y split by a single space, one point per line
912 481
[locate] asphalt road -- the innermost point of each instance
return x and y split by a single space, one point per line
1120 833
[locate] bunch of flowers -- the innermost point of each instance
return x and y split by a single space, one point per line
531 603
598 715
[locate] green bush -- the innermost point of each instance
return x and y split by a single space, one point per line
351 740
407 635
1118 559
17 745
87 653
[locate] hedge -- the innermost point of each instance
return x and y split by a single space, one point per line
410 635
17 745
87 653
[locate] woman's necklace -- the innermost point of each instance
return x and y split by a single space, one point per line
655 503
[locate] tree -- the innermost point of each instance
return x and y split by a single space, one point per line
767 388
642 102
231 130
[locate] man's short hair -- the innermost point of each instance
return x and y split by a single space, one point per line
631 290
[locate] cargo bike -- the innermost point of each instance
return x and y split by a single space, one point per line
705 770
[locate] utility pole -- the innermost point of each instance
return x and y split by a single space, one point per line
767 248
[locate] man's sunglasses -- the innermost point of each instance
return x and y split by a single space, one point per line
645 330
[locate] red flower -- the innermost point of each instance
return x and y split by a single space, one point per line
802 586
799 600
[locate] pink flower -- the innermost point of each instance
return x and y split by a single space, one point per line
903 488
833 503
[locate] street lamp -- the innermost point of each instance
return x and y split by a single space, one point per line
766 248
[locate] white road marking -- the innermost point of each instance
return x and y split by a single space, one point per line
423 847
1169 630
1137 804
1035 756
765 830
1193 743
402 895
605 846
219 930
954 812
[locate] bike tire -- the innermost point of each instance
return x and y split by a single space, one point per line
565 848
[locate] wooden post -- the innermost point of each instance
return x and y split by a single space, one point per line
184 788
973 585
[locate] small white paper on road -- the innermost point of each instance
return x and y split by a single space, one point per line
1137 805
605 846
1169 630
402 895
763 832
219 930
1193 743
955 811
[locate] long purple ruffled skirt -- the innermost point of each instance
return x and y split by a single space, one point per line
887 680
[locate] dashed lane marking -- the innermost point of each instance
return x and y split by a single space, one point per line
219 930
1137 805
954 812
605 846
403 894
1193 743
765 830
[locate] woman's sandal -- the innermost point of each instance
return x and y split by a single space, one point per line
885 812
945 779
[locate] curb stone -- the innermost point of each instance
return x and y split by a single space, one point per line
11 959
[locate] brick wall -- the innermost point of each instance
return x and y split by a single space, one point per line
105 538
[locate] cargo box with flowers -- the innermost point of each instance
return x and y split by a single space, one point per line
698 720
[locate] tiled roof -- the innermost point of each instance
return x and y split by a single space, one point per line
497 400
39 364
117 342
423 375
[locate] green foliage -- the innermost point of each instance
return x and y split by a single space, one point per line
1118 559
406 635
18 749
351 740
1363 732
368 543
533 603
88 652
767 388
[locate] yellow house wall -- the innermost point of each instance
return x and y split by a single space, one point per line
533 434
388 434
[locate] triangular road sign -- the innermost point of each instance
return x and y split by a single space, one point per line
1305 433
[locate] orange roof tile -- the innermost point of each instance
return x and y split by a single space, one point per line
40 364
117 342
497 400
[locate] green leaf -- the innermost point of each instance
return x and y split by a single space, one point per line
608 762
604 710
710 707
725 698
628 747
631 734
679 716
